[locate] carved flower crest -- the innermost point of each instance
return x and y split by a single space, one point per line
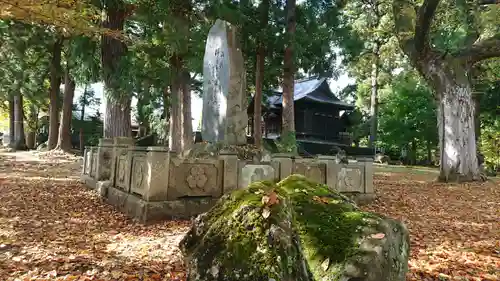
197 177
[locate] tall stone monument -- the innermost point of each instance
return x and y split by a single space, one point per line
224 116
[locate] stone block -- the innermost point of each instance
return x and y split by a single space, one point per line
331 170
311 168
93 163
351 178
285 163
231 168
252 173
138 183
195 178
158 171
104 156
145 212
368 163
121 146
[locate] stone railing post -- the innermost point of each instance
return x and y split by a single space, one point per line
104 155
283 164
230 171
332 169
86 161
158 166
368 164
121 146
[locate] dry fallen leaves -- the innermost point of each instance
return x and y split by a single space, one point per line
52 228
454 228
323 200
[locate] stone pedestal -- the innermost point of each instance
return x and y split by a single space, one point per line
158 166
283 163
104 157
120 160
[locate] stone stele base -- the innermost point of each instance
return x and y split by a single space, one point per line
146 212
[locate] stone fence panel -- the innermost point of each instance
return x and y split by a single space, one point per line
195 178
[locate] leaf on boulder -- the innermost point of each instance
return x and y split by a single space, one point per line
378 236
270 199
266 213
321 199
273 199
325 264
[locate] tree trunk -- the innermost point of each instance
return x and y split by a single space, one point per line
82 111
288 115
456 129
187 122
12 122
374 95
429 153
64 141
175 134
19 137
33 120
117 121
477 119
259 76
55 83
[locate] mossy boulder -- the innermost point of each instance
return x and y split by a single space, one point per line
290 231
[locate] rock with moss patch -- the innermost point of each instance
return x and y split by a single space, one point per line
294 230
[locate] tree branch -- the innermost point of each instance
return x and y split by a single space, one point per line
482 50
488 2
404 18
425 16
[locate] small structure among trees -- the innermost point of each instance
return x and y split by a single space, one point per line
321 119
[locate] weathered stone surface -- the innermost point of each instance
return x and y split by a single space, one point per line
310 168
195 178
308 233
145 212
252 173
224 116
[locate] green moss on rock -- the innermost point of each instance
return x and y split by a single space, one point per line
309 233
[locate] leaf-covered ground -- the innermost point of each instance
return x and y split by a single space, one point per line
454 228
52 228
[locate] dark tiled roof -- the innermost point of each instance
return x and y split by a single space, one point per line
313 89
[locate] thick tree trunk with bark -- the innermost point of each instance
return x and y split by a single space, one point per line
33 119
449 74
187 122
84 97
117 122
374 95
55 83
288 112
12 121
259 76
457 138
117 118
64 140
19 136
175 122
455 118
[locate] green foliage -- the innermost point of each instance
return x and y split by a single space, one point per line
287 143
407 113
490 144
